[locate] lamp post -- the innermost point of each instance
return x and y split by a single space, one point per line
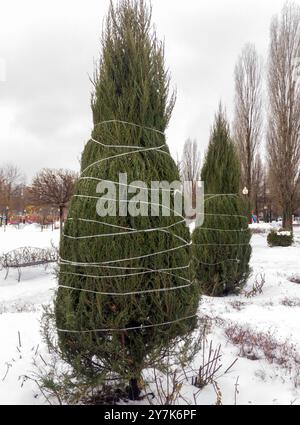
245 192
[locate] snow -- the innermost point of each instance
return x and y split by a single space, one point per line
262 226
275 311
26 235
20 310
283 233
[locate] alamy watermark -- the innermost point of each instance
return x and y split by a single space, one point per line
159 198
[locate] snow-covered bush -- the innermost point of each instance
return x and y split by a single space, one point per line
280 237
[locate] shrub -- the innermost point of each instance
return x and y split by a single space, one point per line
280 238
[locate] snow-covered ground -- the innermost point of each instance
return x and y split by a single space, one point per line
20 310
261 330
263 325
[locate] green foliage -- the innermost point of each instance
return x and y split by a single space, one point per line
61 384
130 85
221 249
280 238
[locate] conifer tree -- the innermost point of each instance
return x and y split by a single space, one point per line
221 249
132 300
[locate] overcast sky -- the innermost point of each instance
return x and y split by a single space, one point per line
48 49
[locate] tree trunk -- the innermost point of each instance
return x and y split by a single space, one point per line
61 215
287 217
248 208
249 186
134 391
256 207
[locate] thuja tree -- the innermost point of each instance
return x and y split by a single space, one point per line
221 249
124 300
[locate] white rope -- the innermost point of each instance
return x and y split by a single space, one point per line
64 262
131 231
159 205
223 215
235 260
107 264
100 222
102 235
220 244
124 154
128 329
145 256
126 228
221 194
124 184
128 200
115 294
114 146
137 149
225 230
132 124
216 195
127 274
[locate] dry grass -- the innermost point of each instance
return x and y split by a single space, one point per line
258 345
238 305
257 287
290 302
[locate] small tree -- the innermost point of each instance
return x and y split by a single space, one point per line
221 249
53 188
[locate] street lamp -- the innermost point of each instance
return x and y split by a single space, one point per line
245 191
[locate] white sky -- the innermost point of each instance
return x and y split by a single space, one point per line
48 48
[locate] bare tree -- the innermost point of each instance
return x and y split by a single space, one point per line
283 143
247 124
11 185
54 188
190 165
